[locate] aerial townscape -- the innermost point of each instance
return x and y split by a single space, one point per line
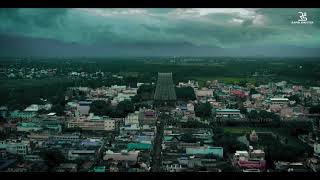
149 90
158 124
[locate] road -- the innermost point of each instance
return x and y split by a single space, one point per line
156 164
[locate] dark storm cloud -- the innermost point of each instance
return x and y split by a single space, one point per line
183 30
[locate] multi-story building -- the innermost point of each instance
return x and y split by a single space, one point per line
22 114
228 113
93 123
16 146
129 156
204 150
147 117
132 118
28 127
281 101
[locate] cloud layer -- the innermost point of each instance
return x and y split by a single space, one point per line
207 28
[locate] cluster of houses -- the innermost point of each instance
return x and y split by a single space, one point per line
30 73
107 144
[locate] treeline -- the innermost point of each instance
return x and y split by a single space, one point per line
104 108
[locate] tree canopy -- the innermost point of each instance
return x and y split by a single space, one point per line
185 93
100 107
203 110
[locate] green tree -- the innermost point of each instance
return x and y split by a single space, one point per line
243 110
203 110
52 157
185 93
58 109
243 83
188 138
315 109
253 91
99 107
295 98
123 108
253 114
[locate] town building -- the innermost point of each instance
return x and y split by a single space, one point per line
83 107
281 101
203 150
28 127
234 113
93 123
124 155
16 146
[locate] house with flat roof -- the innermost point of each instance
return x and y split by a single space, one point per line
16 146
281 101
205 150
17 114
28 127
124 155
139 146
228 113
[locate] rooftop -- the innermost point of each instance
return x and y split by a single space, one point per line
228 110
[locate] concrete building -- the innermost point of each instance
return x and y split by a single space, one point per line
16 146
83 107
28 127
131 156
190 107
65 137
130 129
204 92
75 154
281 101
147 117
93 123
33 107
204 150
22 114
132 118
228 113
316 149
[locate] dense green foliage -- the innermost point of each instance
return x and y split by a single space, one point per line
203 110
228 141
294 98
123 108
188 138
315 109
52 157
145 92
185 93
18 93
99 108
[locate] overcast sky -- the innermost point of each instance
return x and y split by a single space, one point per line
167 32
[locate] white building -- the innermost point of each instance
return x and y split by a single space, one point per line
132 118
122 156
204 92
190 107
121 97
93 123
228 113
280 101
33 107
